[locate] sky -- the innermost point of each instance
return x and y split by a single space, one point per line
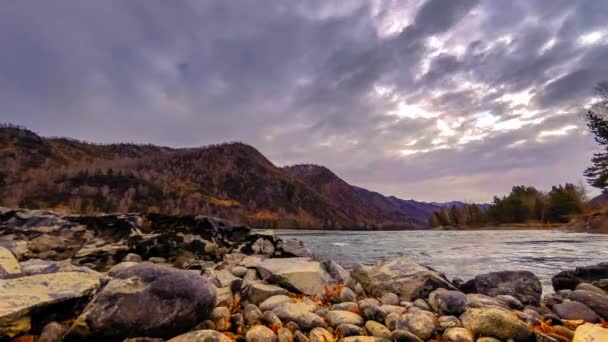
428 99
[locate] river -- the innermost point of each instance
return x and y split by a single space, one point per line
462 254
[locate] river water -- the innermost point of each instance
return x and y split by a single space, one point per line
462 254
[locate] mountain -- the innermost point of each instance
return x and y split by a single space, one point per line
232 181
483 206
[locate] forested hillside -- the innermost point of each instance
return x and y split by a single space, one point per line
232 181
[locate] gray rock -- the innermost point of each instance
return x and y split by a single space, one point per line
401 276
446 302
552 299
475 300
338 317
391 320
523 285
260 333
120 267
587 274
422 304
52 332
488 339
320 335
374 328
595 301
263 246
275 301
132 257
271 320
201 336
347 295
337 272
175 301
346 330
370 311
9 266
590 287
225 297
404 336
574 311
157 260
295 248
20 296
220 317
493 322
299 313
258 292
446 322
300 275
364 339
393 308
510 302
421 323
252 314
602 284
284 335
298 336
346 306
252 261
457 335
239 271
390 299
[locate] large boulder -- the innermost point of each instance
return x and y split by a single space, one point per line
595 301
498 323
523 285
301 275
569 279
401 276
590 333
571 310
20 297
295 248
147 300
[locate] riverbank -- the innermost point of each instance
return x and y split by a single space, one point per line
204 279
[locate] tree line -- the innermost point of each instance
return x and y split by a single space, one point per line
523 204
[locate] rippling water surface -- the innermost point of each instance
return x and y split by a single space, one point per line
462 254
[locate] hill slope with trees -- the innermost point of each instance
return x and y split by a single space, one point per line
232 181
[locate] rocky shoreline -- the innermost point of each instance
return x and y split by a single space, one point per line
148 278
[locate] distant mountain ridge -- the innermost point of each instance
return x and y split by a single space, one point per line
233 181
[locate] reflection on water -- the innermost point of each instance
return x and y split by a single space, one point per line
462 254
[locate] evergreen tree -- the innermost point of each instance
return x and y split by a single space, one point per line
597 174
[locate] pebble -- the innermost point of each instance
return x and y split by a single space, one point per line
320 335
404 336
260 333
421 323
347 295
284 335
239 271
376 329
457 335
52 332
337 317
390 299
346 330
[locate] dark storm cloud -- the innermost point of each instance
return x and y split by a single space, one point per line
432 99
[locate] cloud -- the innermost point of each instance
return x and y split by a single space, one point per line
431 99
